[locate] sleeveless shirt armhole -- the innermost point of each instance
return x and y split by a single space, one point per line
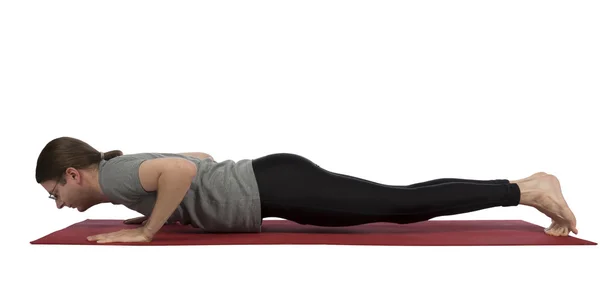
138 180
121 181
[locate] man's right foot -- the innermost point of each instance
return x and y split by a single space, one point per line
536 175
545 194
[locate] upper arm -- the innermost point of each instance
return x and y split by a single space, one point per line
151 170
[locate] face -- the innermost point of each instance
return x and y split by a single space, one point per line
72 194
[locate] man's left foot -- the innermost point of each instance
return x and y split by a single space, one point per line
550 201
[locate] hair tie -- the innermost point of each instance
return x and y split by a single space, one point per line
101 156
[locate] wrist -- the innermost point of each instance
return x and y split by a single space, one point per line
148 232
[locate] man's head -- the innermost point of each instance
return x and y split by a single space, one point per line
67 168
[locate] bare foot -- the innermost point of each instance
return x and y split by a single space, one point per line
556 229
536 175
545 194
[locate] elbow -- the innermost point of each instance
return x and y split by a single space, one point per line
190 169
184 168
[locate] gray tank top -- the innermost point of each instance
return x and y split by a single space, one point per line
223 197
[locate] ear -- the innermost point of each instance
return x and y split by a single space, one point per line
73 174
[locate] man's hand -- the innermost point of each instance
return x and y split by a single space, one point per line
139 234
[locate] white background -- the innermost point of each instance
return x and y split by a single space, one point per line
391 91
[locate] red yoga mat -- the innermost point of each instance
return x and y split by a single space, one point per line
427 233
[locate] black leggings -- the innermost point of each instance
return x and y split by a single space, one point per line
294 188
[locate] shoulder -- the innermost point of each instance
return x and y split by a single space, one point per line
119 178
135 159
127 178
123 165
151 170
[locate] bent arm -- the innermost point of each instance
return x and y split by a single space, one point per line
171 178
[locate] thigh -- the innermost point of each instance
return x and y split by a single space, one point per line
292 182
285 177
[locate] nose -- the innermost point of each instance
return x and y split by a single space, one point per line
59 204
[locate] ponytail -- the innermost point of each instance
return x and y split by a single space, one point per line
64 152
111 154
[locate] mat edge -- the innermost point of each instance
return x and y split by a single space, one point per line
37 241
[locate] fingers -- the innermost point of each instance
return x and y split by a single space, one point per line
97 237
104 236
124 235
108 239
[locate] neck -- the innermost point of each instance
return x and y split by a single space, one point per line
93 183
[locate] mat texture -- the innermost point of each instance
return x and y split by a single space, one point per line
428 233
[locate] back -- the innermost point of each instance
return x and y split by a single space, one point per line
223 197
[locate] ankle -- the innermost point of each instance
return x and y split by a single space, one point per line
530 194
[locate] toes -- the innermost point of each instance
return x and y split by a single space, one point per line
564 231
558 230
552 226
574 229
550 231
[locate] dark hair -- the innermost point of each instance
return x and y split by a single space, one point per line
64 152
